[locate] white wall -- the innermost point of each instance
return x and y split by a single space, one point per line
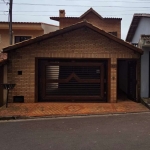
145 73
49 28
143 28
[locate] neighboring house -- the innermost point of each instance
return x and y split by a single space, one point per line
138 34
3 60
144 43
139 25
23 31
79 62
110 25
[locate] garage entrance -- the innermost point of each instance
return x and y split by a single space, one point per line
127 80
71 80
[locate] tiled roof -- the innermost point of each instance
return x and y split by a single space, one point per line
3 58
84 14
112 18
21 22
58 18
28 23
134 24
70 28
91 10
145 37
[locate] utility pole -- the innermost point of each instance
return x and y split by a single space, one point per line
10 20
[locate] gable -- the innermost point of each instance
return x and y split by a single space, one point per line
70 29
93 18
91 11
82 41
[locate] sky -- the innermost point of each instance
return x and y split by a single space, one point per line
41 10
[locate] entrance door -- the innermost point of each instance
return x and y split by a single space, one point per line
132 80
70 80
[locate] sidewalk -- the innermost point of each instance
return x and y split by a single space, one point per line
69 109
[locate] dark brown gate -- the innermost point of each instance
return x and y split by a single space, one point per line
132 80
1 81
70 80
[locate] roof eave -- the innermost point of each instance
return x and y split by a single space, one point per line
67 29
3 62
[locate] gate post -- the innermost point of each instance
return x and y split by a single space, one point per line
113 80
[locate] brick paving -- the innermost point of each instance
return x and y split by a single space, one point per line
70 109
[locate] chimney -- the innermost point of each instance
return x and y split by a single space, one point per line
61 13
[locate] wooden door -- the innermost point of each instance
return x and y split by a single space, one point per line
70 80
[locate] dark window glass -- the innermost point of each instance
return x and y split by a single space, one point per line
21 38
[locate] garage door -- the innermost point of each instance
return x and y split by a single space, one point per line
63 80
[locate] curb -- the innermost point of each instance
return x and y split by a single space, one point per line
5 118
13 117
145 103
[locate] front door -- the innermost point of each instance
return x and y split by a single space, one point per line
61 80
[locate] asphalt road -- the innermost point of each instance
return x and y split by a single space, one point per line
111 132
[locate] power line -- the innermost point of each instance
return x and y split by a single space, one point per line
52 16
71 11
75 5
115 1
83 11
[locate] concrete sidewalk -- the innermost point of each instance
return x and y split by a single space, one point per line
69 109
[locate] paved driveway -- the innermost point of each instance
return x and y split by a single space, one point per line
65 109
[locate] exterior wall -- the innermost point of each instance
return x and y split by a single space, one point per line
75 44
143 28
145 73
65 22
49 28
108 25
4 34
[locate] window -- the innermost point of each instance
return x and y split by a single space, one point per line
21 38
113 33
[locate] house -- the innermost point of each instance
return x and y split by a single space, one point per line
23 31
139 25
138 35
110 25
82 61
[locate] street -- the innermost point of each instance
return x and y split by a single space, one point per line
105 132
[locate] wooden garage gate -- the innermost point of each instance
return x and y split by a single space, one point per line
70 80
